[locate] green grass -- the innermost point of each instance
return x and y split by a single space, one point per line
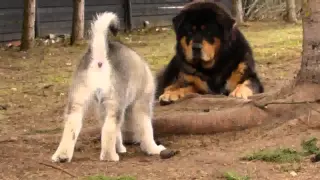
279 155
234 176
310 146
285 155
102 177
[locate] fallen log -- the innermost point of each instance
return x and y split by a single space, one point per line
207 114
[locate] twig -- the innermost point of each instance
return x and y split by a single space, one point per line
253 5
58 168
263 105
10 139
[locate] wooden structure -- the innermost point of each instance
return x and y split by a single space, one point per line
56 16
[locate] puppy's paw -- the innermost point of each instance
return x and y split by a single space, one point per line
170 97
61 156
121 149
109 157
242 91
155 150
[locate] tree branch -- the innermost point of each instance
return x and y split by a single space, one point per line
58 168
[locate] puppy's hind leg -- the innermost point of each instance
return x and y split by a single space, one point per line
73 122
142 114
100 112
119 144
110 131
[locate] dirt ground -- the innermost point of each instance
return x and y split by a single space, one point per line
33 90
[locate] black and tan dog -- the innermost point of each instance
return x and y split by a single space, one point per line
212 56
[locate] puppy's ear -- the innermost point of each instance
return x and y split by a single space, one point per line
223 16
225 19
114 29
177 21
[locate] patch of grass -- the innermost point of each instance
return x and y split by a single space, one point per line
102 177
285 155
234 176
310 146
279 155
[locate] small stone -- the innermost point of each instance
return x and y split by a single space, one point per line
167 153
14 89
68 63
146 24
59 39
46 42
292 173
65 36
316 158
51 36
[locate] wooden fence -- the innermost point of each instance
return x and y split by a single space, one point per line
55 16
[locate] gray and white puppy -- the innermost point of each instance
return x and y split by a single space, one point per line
120 84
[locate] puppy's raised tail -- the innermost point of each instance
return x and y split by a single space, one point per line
100 26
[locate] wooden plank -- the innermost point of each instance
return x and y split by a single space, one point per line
159 20
105 2
155 9
68 3
158 1
12 4
10 37
56 14
11 27
54 3
10 15
92 10
63 27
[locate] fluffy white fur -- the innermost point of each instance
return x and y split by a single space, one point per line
93 82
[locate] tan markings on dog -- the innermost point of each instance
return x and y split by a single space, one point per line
177 94
235 77
187 48
209 52
176 85
199 84
242 90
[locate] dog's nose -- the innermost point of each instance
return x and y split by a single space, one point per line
196 46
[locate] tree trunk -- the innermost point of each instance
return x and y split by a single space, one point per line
77 22
291 11
237 10
27 39
310 65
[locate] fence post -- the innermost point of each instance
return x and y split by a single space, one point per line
128 15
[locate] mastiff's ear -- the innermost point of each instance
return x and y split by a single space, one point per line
177 21
226 20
